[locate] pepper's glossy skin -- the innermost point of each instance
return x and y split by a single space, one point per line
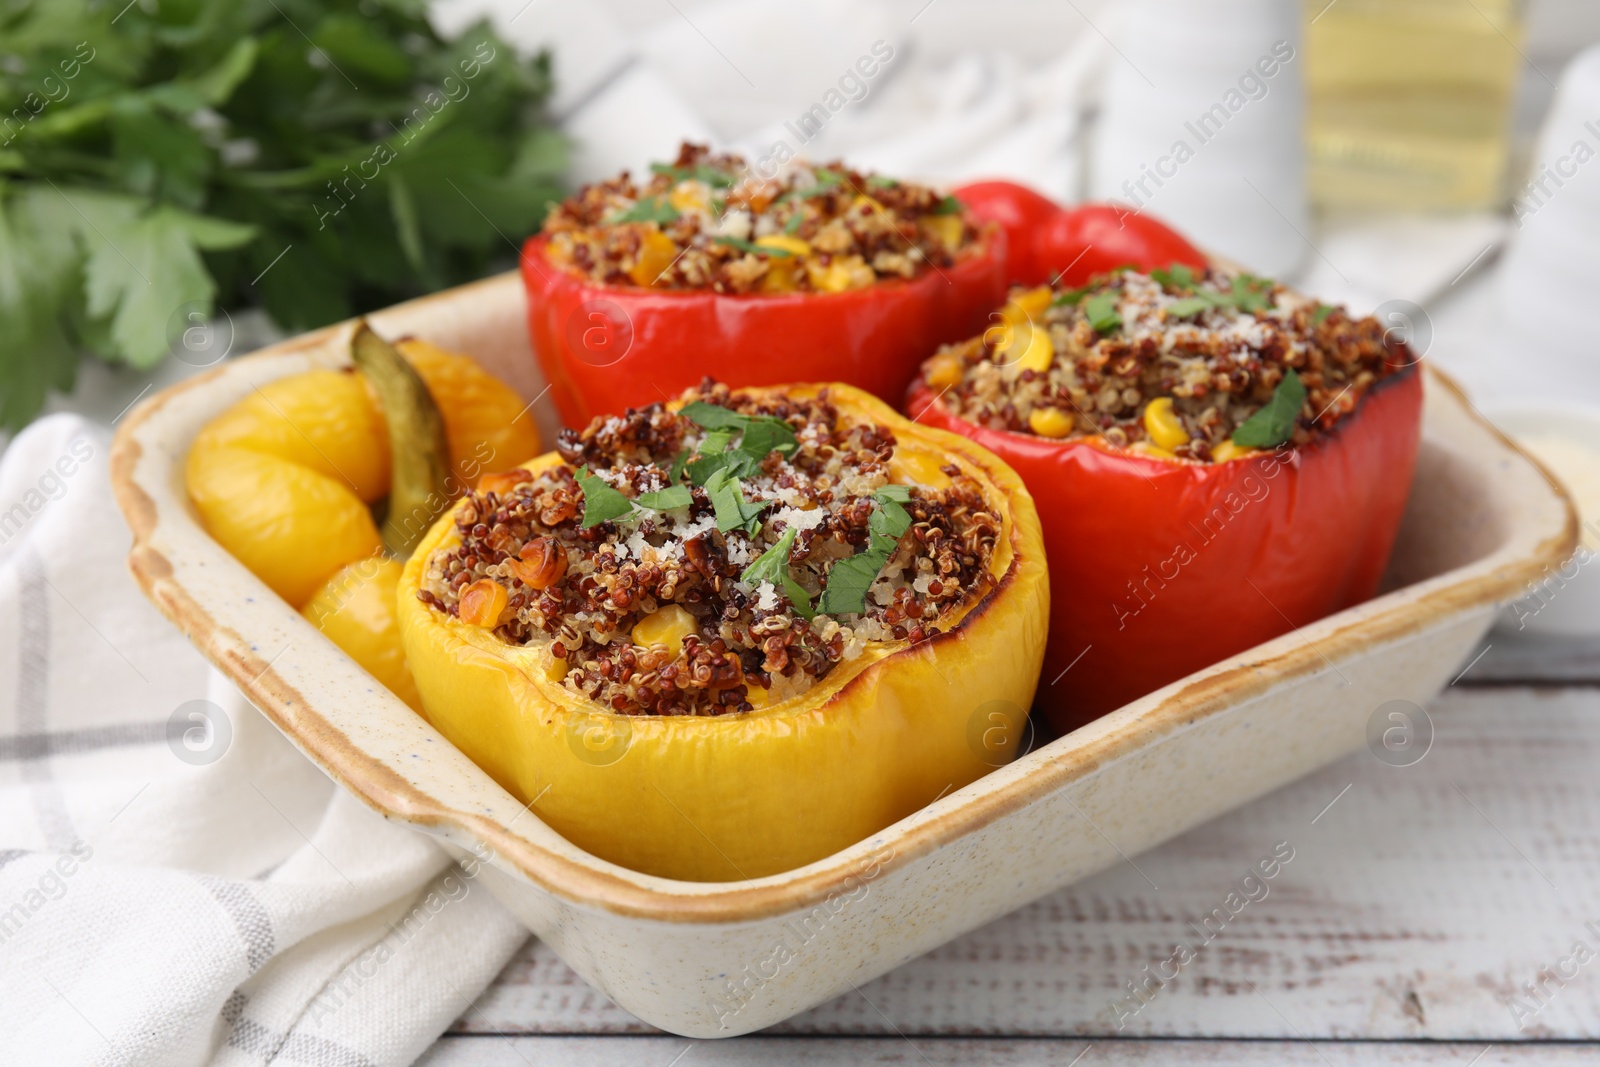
1044 239
1159 568
747 795
605 348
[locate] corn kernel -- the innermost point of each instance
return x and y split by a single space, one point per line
665 626
866 202
1162 424
757 696
944 370
1050 422
657 252
482 602
556 669
843 274
1039 353
785 243
1227 450
946 229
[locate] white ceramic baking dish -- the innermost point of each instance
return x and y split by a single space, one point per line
708 960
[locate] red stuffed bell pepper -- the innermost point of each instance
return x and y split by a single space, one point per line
637 291
1044 239
1215 462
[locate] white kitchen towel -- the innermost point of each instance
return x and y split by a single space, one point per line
178 884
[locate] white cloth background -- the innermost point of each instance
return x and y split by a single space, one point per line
161 910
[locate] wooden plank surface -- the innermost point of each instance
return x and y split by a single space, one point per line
1418 902
860 1052
1510 656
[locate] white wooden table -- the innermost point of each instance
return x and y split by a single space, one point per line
1420 905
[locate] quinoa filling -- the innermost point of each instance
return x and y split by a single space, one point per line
1180 363
707 221
715 559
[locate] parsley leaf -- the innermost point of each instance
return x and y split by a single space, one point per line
793 225
1101 310
1251 293
679 461
1274 423
772 566
765 435
1070 298
711 416
878 181
759 436
646 209
737 463
849 579
701 173
309 159
1177 276
601 503
1320 316
673 496
1189 305
848 582
900 494
752 247
734 512
948 206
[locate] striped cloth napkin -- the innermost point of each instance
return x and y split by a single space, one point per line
178 884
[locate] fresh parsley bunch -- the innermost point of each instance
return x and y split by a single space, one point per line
317 157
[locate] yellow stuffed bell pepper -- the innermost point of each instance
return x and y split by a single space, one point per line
730 636
287 477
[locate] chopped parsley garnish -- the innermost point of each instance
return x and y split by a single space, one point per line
759 434
601 503
1274 423
711 416
1251 293
647 209
1177 276
878 181
1070 298
948 206
680 461
793 225
826 180
1101 310
701 173
849 579
1189 305
772 566
752 247
673 496
1320 316
734 512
